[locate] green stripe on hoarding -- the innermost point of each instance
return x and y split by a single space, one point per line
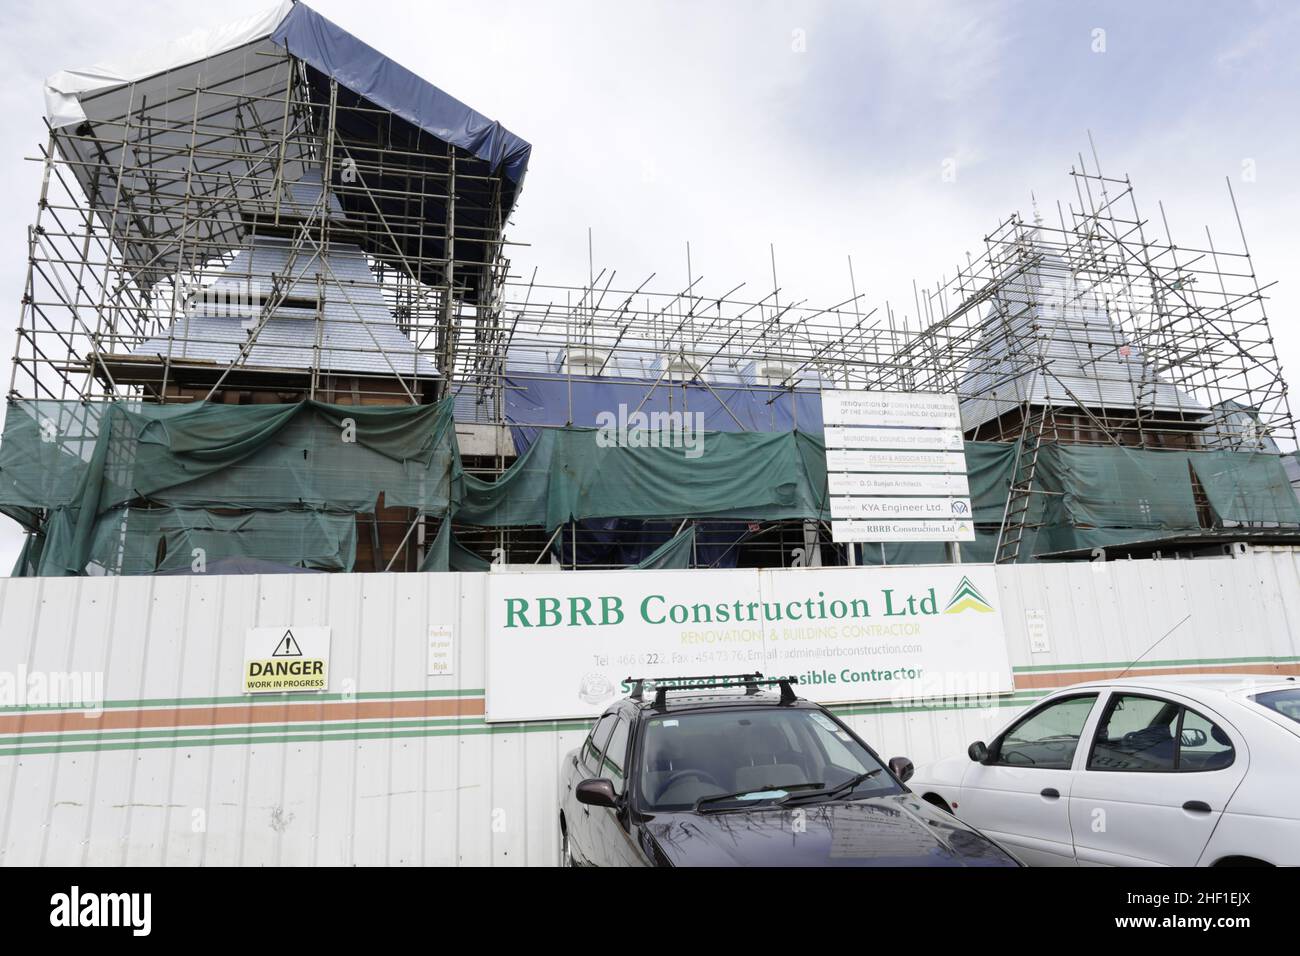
154 738
310 738
26 740
858 710
259 699
474 692
1110 665
353 730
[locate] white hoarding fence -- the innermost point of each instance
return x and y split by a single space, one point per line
394 763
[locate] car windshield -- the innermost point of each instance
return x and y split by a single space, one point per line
1285 702
728 759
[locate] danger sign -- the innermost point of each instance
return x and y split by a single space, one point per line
289 658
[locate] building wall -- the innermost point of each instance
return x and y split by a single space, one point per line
393 767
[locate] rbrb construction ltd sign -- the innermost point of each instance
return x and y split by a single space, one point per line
561 645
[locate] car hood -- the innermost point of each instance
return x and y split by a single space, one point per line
896 830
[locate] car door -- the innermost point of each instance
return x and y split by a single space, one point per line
610 828
585 765
1153 785
1020 796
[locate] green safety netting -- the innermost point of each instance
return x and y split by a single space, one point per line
95 466
137 541
1247 487
930 552
568 475
1112 487
445 553
1105 496
677 552
137 488
989 466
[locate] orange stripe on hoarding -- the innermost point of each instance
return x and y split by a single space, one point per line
1065 678
33 723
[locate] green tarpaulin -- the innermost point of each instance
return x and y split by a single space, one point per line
677 552
137 541
121 485
84 463
445 553
989 465
1109 487
566 475
1247 487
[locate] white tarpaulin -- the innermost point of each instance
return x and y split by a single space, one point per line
63 90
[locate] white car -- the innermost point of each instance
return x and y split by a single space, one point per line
1172 771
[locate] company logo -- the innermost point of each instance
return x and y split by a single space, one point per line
595 688
130 910
967 598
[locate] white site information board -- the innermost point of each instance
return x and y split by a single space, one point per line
896 467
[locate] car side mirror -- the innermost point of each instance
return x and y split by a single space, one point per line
901 768
596 793
978 751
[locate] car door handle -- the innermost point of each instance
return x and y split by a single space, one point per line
1197 806
1051 793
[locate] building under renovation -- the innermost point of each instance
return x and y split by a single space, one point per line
270 324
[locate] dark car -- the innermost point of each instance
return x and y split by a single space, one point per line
724 772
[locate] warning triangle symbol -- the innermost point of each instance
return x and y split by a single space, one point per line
288 646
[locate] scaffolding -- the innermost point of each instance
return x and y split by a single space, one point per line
254 229
1101 330
1114 331
248 229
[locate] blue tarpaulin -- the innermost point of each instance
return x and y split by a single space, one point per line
537 400
367 72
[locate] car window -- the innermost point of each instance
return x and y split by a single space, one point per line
1047 738
1143 734
1203 745
1136 733
1285 702
759 755
613 767
833 741
596 740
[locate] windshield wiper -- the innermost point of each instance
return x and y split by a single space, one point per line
846 786
718 797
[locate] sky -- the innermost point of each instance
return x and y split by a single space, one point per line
819 130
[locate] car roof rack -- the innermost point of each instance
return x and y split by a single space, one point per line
751 683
